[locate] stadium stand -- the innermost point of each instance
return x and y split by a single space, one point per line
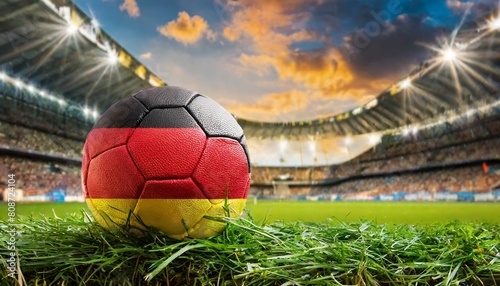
34 140
41 177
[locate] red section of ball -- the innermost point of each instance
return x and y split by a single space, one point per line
223 165
166 153
102 139
113 174
172 189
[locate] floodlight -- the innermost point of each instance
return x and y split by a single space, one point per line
406 83
495 24
95 114
3 76
31 88
406 131
449 54
374 138
283 145
18 83
414 130
71 29
86 111
112 57
347 141
312 146
61 102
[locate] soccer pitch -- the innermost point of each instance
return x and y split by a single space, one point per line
288 211
318 243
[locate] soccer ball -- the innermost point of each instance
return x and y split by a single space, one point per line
166 158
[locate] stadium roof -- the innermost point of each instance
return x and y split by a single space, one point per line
57 49
54 47
463 75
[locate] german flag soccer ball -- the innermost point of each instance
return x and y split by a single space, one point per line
167 158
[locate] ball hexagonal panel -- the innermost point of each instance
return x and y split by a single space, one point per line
165 96
113 174
222 166
214 119
167 144
126 113
102 139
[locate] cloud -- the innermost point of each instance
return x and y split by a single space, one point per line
272 106
273 32
146 55
459 7
394 51
187 29
131 7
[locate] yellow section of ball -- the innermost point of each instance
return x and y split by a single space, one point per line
178 218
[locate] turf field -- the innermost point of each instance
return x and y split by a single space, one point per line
309 247
379 212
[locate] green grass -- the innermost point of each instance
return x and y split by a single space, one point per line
288 243
73 250
380 212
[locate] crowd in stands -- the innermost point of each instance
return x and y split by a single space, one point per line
39 177
401 163
438 137
442 145
34 140
470 178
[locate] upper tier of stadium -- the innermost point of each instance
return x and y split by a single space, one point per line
59 71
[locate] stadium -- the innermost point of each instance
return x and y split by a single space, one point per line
433 136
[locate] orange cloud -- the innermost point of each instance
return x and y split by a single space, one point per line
187 29
146 55
458 6
272 106
271 30
131 7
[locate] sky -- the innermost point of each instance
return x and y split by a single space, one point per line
283 60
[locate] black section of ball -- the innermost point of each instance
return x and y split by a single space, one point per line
214 119
126 113
176 117
165 96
